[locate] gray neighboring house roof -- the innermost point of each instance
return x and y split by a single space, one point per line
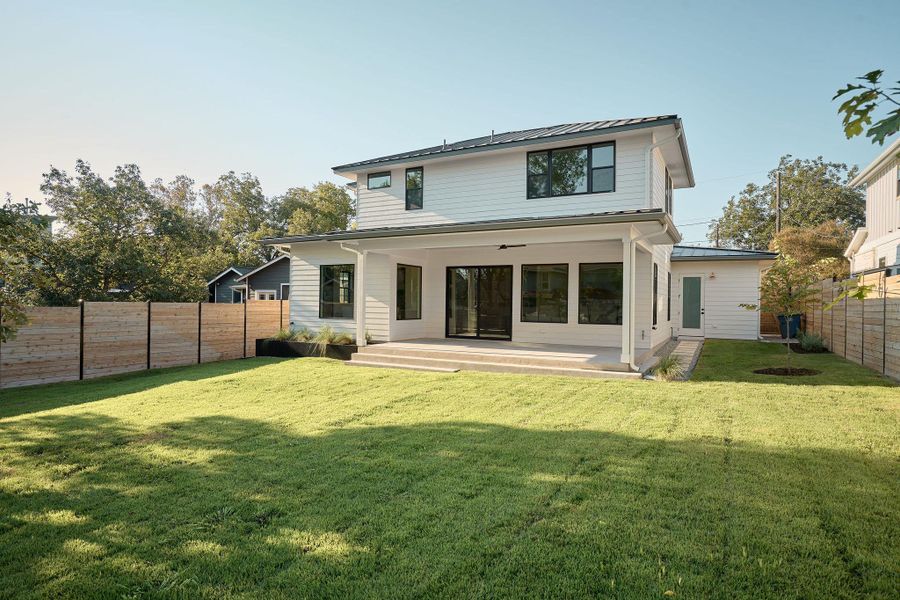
239 271
265 266
523 137
622 216
687 253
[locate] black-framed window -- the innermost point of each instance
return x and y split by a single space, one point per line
655 294
600 293
409 292
898 182
545 293
336 291
669 191
377 181
415 180
571 171
669 296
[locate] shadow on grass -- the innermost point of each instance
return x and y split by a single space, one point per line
735 361
222 506
17 401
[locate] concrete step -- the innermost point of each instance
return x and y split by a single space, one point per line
492 356
376 364
457 363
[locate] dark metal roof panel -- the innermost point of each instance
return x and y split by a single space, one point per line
704 253
509 137
499 224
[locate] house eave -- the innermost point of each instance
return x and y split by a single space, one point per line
263 267
641 216
866 174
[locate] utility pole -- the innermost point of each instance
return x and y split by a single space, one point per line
777 202
717 234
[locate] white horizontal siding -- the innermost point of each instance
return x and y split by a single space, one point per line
491 185
305 262
658 187
882 205
726 285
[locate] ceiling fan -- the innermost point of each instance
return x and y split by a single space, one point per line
507 246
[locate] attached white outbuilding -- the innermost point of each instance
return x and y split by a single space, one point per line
708 287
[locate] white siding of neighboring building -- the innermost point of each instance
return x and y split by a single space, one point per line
734 283
882 221
489 186
658 177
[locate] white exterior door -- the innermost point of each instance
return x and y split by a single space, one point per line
692 305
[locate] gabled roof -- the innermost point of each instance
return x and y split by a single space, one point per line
621 216
265 266
523 137
866 174
686 253
237 270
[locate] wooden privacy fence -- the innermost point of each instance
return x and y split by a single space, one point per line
105 338
866 332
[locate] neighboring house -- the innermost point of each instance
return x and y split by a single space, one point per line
270 281
225 288
555 235
877 245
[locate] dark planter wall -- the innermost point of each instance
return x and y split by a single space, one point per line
298 349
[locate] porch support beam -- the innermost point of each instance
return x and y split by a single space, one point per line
627 294
360 300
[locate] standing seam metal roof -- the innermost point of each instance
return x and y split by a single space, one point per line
498 139
704 253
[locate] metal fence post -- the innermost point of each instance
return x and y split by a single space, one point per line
148 334
244 349
81 340
199 330
884 330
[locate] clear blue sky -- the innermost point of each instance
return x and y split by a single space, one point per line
286 91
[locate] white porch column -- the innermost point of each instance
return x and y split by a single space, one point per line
360 303
627 292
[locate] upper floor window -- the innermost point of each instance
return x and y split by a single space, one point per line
898 182
377 181
669 188
415 179
570 171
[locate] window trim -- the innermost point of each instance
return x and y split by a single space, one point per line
590 169
522 292
281 290
668 296
618 264
387 174
669 192
397 289
352 289
421 189
256 294
655 294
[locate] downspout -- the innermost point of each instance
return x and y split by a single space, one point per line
360 299
632 245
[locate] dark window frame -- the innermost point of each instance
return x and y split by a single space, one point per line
655 294
590 170
397 307
352 290
670 192
668 296
419 189
607 264
522 318
379 174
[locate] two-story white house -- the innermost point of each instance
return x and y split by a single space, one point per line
877 245
555 239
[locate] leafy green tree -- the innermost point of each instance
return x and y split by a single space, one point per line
19 222
326 207
812 192
243 215
859 108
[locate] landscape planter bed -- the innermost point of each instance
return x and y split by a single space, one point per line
299 349
785 372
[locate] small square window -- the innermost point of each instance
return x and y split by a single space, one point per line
377 181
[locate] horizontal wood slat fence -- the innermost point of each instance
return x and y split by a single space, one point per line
107 338
866 332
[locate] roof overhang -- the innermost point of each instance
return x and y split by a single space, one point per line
751 257
858 239
866 174
638 216
265 266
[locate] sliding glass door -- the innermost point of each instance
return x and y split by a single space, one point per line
479 302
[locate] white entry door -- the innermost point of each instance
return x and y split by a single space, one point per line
692 305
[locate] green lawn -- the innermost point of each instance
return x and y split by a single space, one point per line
305 478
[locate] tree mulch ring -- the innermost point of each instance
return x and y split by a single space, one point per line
792 372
